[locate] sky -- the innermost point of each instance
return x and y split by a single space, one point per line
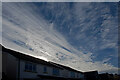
76 34
60 0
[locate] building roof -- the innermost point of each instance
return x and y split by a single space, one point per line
36 60
66 67
91 72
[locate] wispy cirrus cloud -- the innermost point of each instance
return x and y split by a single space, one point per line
26 29
95 29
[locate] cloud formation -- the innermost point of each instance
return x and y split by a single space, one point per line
25 29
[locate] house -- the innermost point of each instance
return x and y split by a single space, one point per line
91 75
19 66
107 76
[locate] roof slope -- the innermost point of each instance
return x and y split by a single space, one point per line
36 60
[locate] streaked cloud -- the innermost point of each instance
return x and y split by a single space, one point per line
26 29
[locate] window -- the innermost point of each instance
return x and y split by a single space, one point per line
77 75
30 67
45 69
56 71
73 74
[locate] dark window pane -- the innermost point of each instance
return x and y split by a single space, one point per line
34 67
45 69
26 66
73 74
30 67
56 71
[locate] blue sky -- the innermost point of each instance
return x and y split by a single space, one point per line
84 32
89 27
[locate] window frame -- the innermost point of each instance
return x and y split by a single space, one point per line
45 69
30 67
56 71
72 74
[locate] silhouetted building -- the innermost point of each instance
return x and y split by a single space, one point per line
91 75
19 66
106 76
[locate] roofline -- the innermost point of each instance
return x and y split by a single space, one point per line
20 54
90 71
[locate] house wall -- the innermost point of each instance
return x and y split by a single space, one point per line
4 63
9 65
40 71
0 63
65 73
25 74
80 75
